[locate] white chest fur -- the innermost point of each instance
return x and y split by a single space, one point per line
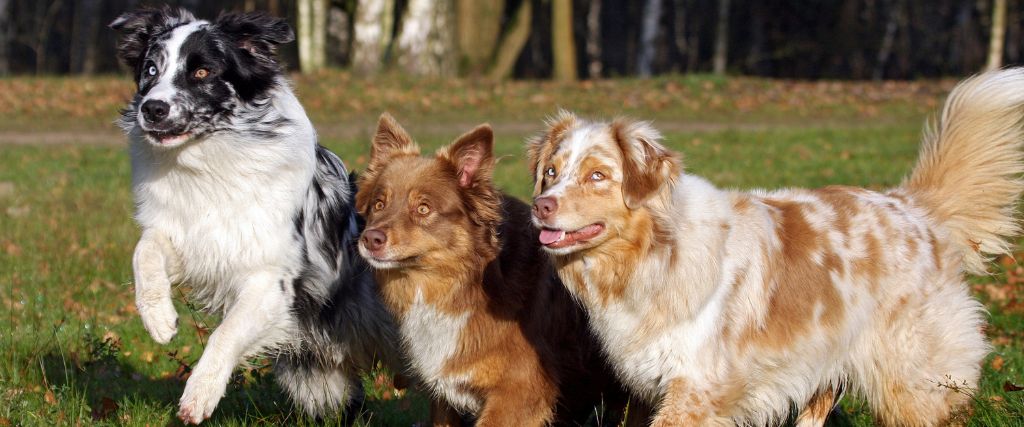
431 339
227 205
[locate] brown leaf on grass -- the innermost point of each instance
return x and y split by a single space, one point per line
5 422
49 397
106 408
1009 387
997 363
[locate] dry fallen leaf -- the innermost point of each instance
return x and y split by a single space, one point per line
997 363
1008 387
49 397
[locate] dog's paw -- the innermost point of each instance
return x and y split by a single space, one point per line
199 400
160 320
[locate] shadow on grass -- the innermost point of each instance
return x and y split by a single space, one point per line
111 391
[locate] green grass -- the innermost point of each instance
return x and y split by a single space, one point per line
73 350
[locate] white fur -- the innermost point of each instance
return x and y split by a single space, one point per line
434 338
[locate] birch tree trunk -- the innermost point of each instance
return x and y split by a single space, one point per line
721 54
563 44
375 23
479 25
648 37
998 36
513 41
426 44
312 34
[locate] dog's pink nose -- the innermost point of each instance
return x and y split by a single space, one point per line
374 239
543 207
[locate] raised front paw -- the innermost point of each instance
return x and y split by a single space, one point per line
199 400
159 318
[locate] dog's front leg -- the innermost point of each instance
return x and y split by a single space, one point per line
156 266
257 318
685 405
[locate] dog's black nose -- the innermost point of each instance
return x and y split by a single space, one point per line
374 239
155 111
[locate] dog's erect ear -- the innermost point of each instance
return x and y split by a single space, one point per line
472 155
255 32
647 166
138 27
389 141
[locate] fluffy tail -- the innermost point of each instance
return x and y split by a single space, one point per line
969 171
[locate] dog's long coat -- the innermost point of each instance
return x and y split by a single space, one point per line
236 199
732 307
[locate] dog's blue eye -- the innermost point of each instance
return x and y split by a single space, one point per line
152 70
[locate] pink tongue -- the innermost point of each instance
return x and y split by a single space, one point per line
548 237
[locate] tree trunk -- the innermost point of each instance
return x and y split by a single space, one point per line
721 38
249 6
998 36
44 27
375 23
85 28
679 33
895 16
312 34
6 24
563 44
479 25
594 64
426 44
648 37
512 42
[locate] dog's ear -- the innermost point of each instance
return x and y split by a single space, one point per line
253 39
389 141
137 29
255 32
647 166
472 156
541 147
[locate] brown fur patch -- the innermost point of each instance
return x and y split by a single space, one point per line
796 284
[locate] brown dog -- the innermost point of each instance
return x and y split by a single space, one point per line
487 326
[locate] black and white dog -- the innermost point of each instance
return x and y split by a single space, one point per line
236 198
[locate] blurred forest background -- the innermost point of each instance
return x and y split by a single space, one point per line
567 39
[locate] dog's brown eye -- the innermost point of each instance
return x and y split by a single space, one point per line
423 209
596 176
378 206
549 172
202 73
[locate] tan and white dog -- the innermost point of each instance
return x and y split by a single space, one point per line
725 307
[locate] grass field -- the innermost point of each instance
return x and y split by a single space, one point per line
73 351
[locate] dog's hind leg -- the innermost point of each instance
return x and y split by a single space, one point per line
818 409
259 318
922 360
319 390
156 267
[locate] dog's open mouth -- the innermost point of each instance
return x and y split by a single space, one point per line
169 138
554 239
